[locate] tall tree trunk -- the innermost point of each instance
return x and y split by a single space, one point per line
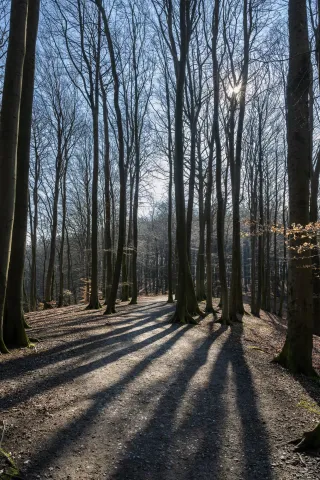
170 254
261 236
236 301
122 218
284 262
192 177
107 179
34 228
208 214
296 354
220 200
94 295
125 258
52 254
186 301
14 323
200 288
63 229
275 249
137 181
9 132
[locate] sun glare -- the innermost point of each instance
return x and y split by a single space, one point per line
236 89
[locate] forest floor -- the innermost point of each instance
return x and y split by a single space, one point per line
130 396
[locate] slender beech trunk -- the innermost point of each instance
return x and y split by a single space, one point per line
122 219
200 287
186 301
220 200
296 354
236 301
192 177
267 243
107 179
14 323
261 236
130 235
275 249
52 254
125 256
94 294
284 261
170 253
63 229
208 214
253 234
137 181
34 228
9 132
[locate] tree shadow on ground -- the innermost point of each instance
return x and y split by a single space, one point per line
98 349
65 438
207 430
11 369
215 429
279 323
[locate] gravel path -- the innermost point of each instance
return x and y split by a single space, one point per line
131 396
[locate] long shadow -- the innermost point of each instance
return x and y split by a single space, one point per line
83 316
77 428
159 435
255 435
62 377
195 449
108 322
278 323
17 367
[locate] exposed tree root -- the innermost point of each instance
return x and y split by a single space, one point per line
286 361
110 310
133 302
224 321
185 319
309 441
25 324
94 306
238 318
197 311
3 348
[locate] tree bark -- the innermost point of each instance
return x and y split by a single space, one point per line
107 179
186 300
9 132
296 354
14 323
94 295
236 301
122 219
220 200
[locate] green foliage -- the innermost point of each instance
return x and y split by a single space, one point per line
9 470
312 407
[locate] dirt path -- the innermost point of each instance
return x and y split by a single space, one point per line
132 397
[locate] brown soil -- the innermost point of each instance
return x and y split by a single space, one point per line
130 396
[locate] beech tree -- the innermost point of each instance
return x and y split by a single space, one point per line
14 323
296 354
9 134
